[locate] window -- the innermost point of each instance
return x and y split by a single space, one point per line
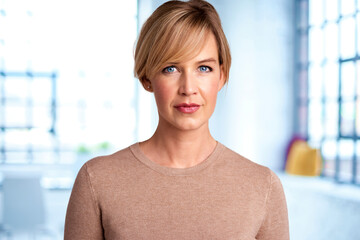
328 83
67 90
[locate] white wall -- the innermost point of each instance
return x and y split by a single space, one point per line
254 112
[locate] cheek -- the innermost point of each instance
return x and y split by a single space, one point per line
211 91
162 95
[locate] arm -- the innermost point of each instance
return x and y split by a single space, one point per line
275 225
83 219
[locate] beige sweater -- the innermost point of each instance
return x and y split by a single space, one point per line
127 196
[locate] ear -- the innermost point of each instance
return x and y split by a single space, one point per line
222 78
146 84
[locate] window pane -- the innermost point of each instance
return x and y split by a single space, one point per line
2 25
2 115
316 12
347 37
68 121
347 118
41 117
358 31
331 80
331 42
358 161
315 120
332 10
2 50
358 117
346 151
41 139
41 90
67 88
331 118
17 139
328 150
348 80
16 89
358 99
16 55
15 115
315 81
316 45
16 50
347 7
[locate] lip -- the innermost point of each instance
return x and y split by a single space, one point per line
187 107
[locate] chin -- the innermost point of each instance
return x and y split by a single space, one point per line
190 126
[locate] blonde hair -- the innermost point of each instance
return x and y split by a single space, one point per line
175 31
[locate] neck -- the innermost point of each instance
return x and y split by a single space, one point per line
179 148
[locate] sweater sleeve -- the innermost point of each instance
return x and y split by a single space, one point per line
83 219
275 225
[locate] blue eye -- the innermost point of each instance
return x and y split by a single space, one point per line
169 69
205 69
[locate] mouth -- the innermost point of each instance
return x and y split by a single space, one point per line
187 107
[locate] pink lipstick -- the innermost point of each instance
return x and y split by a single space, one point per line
187 107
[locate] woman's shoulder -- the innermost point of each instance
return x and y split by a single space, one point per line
121 160
241 165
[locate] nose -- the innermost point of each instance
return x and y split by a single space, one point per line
188 85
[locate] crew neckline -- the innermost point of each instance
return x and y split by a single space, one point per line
136 150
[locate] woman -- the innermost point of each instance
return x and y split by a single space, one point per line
181 183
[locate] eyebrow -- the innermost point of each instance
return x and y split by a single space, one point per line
198 62
207 60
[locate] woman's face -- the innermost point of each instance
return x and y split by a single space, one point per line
186 91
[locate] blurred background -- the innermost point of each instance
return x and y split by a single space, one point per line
67 94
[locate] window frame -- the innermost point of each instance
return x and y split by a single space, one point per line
304 84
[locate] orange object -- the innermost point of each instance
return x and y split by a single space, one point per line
303 160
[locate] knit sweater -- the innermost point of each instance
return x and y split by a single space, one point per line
127 196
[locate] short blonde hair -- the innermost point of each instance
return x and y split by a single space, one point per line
175 31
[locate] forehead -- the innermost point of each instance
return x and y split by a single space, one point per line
209 50
204 48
